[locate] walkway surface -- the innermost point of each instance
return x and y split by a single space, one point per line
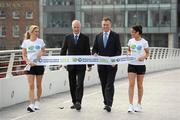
161 101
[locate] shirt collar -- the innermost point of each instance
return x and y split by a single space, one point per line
76 34
107 33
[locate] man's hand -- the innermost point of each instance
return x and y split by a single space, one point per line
95 54
114 65
60 66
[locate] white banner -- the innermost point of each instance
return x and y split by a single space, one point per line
83 59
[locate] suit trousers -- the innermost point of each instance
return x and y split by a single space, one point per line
107 78
76 83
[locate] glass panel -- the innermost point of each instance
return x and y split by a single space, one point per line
164 18
154 18
2 14
15 14
138 1
87 19
160 18
2 31
122 40
15 30
57 40
165 1
29 15
102 2
58 19
119 19
60 2
160 40
93 18
159 1
137 17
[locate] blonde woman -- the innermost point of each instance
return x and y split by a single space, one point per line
33 48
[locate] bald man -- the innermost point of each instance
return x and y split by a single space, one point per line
76 44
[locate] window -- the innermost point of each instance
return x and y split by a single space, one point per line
137 17
15 14
29 15
160 18
60 20
119 19
138 1
2 14
2 31
15 30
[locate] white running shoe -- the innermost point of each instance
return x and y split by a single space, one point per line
138 108
30 108
131 108
37 105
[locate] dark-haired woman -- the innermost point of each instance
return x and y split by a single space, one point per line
137 46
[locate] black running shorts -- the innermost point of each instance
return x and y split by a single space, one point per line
138 69
36 70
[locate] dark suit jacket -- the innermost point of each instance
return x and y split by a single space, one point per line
113 47
81 48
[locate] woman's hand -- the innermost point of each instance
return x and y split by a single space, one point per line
30 63
141 58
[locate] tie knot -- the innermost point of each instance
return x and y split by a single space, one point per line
105 33
76 37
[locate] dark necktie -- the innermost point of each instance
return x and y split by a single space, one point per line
76 39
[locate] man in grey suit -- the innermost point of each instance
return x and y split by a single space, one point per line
76 44
107 43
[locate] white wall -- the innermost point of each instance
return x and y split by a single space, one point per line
14 89
57 81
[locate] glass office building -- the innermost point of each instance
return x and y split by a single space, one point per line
158 18
57 18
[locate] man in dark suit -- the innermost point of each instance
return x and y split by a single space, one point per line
76 44
107 43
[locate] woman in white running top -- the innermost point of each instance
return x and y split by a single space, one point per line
32 49
137 46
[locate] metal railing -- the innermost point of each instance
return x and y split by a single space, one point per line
11 63
13 83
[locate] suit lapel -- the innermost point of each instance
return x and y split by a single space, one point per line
79 39
72 39
101 40
109 39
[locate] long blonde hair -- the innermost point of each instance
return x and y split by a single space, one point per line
27 35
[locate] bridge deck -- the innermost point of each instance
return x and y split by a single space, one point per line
161 101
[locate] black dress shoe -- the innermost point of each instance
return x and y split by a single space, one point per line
107 108
72 107
78 106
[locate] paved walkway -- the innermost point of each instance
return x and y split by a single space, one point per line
161 101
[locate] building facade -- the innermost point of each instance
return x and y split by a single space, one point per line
158 18
15 18
178 20
57 18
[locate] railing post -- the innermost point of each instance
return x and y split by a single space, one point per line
10 66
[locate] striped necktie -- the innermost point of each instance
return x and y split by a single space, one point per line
76 39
